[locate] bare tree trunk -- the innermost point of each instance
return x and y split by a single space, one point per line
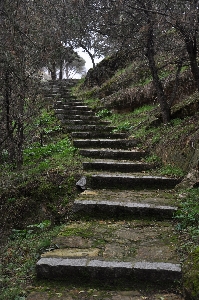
53 72
89 53
9 139
191 47
165 110
61 70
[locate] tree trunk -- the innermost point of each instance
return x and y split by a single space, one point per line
53 72
192 52
9 139
61 70
150 53
89 53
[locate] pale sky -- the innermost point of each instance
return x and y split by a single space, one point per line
86 57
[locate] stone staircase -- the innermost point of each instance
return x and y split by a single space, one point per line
121 237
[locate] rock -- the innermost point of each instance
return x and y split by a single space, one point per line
81 184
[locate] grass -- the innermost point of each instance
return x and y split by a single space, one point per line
187 226
21 252
35 201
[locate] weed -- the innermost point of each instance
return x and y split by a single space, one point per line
143 109
23 233
170 170
153 159
188 214
125 126
103 113
38 152
19 258
176 122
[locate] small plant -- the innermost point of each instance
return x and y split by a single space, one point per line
142 109
19 258
176 122
104 113
188 214
126 126
170 170
23 233
153 159
38 152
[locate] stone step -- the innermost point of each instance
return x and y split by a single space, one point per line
119 204
97 128
76 292
60 104
133 154
105 143
84 122
78 112
89 135
116 166
79 108
66 95
129 181
83 117
51 95
113 252
90 117
120 210
65 115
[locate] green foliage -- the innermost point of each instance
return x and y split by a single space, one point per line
187 218
153 159
170 170
188 214
125 126
37 152
19 258
104 113
23 233
40 190
176 122
143 109
44 125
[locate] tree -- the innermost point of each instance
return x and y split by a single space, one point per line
22 54
140 26
77 66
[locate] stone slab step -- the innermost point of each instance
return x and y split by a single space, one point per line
116 166
84 122
77 107
113 252
72 115
129 181
91 128
66 95
61 104
78 292
83 117
121 209
77 112
113 153
107 272
94 134
105 203
105 143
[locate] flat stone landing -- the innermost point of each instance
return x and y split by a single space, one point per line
109 252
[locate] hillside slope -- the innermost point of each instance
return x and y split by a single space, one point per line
121 90
127 98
